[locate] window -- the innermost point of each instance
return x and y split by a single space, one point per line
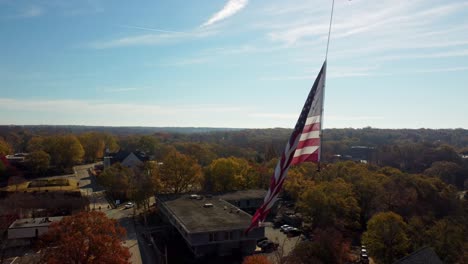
226 235
211 237
231 235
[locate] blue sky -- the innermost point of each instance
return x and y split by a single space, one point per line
233 63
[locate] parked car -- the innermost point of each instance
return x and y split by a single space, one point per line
294 232
283 228
364 258
261 240
268 246
129 205
287 229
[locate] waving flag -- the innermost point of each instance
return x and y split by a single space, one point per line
303 145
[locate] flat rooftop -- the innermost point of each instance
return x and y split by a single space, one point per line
243 195
35 222
196 218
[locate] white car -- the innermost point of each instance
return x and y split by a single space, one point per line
129 205
284 227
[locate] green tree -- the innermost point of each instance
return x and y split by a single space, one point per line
180 173
145 183
117 181
149 144
386 237
331 204
38 162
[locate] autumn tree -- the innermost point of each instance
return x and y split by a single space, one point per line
179 173
96 143
228 174
386 237
331 204
64 150
88 237
38 162
202 152
5 148
447 237
35 144
328 246
449 172
296 184
256 259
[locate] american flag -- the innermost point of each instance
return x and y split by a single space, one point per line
303 145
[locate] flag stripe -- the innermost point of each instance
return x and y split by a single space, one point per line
311 127
312 120
304 158
308 143
306 150
311 134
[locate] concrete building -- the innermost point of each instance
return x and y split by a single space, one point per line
210 226
27 228
247 200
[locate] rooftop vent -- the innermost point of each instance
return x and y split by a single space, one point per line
208 205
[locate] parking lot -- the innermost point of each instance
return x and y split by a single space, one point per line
286 244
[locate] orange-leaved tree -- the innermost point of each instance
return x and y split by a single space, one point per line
88 237
256 259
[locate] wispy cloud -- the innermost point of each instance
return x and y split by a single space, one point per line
164 37
118 89
274 115
153 29
352 118
32 11
189 61
229 9
95 112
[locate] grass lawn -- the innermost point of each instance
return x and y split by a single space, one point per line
55 184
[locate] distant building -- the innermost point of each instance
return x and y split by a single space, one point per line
16 158
126 158
27 228
247 200
210 226
425 255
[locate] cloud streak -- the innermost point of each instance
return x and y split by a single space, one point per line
229 9
164 37
32 11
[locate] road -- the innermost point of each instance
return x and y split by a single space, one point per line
96 195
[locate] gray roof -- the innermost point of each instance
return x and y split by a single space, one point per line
196 218
242 195
425 255
34 222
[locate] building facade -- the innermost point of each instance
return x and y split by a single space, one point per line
210 226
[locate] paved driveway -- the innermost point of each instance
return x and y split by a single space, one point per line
96 196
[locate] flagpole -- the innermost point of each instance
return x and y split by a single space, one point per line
324 83
329 28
